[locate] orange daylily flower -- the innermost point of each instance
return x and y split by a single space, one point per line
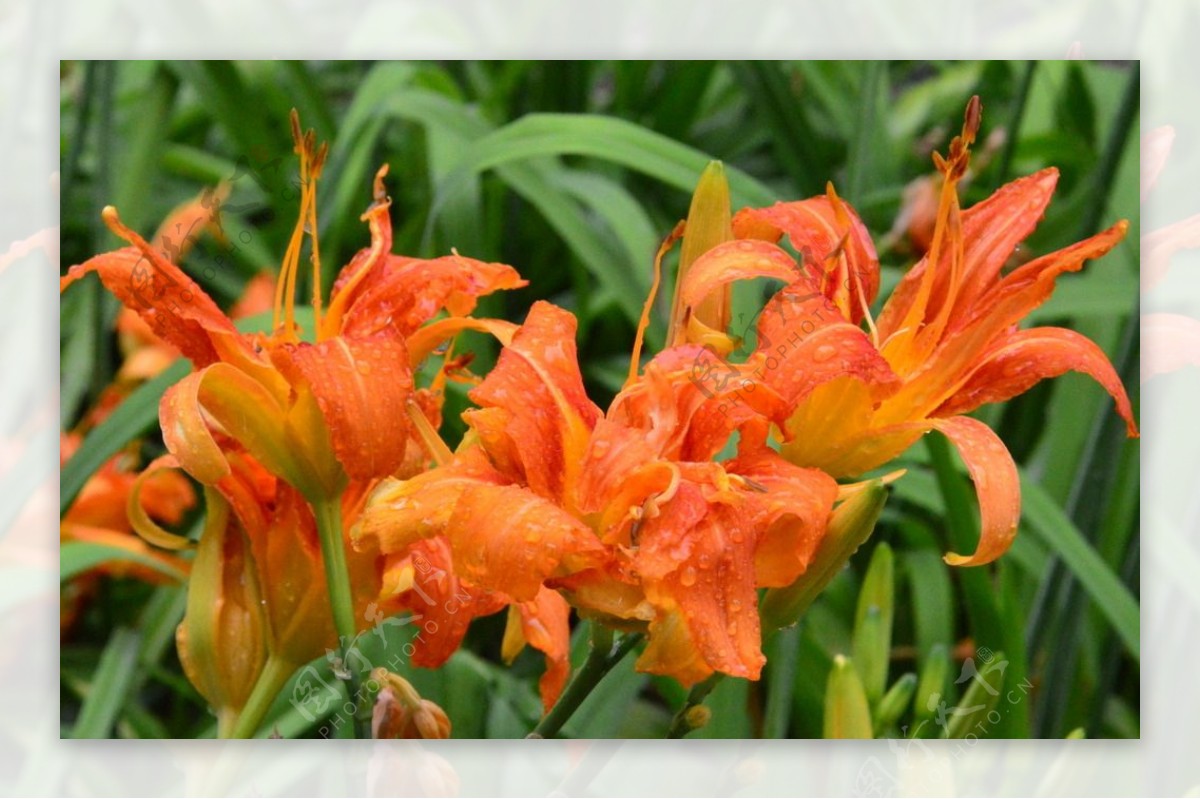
945 343
625 512
317 413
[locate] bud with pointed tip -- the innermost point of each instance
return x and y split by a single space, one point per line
709 223
222 640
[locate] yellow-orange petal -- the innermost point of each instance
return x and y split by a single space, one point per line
362 386
996 483
1028 356
243 409
672 652
140 520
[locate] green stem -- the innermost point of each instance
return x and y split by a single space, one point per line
328 514
600 661
681 725
275 675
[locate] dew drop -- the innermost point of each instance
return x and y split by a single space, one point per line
688 577
824 353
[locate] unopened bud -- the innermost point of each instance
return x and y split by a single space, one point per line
400 712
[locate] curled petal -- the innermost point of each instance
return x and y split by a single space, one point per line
423 342
733 261
1028 356
996 483
140 519
243 409
838 254
362 386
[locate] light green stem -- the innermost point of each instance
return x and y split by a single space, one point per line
274 676
328 514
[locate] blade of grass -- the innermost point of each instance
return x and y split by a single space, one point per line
783 654
107 691
794 141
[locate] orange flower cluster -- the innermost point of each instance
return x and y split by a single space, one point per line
626 514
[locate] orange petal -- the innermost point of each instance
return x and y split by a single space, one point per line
804 343
175 307
544 622
700 560
1028 356
1004 305
424 582
996 482
401 513
790 514
361 386
508 539
405 293
991 231
817 228
690 399
537 380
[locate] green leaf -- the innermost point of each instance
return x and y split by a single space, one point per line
76 557
110 684
1102 585
873 623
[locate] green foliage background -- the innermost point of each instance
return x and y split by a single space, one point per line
573 172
